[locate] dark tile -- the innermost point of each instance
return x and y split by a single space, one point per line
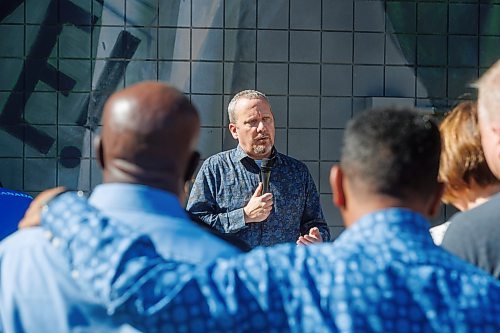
431 50
148 45
207 14
210 142
104 42
272 79
368 48
272 45
240 14
16 15
206 78
460 80
210 109
78 12
400 49
41 108
324 177
488 50
69 107
112 13
402 17
462 51
12 45
174 44
39 173
143 13
305 14
489 16
37 11
369 16
11 73
279 105
463 19
331 142
368 80
304 46
303 144
303 112
10 145
272 14
336 80
178 73
95 174
431 17
431 82
74 174
175 13
41 41
207 44
240 45
74 43
78 70
400 81
335 111
11 173
238 76
281 141
338 15
337 47
138 71
73 142
304 79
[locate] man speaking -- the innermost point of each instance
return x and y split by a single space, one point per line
229 193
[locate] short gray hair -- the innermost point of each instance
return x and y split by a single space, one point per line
249 94
489 92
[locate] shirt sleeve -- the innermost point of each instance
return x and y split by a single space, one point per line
203 203
313 214
124 271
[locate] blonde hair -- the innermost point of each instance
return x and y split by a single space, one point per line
462 158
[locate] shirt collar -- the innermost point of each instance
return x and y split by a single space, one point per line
239 155
135 197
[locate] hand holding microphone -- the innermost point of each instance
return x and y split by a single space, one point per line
259 207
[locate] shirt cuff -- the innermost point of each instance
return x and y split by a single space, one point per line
236 220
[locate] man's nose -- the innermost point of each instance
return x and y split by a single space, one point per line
261 126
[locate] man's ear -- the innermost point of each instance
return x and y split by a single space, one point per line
232 129
99 150
435 204
192 165
337 184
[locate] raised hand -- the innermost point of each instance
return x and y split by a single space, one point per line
259 207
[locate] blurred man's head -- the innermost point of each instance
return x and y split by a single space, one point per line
489 116
390 158
149 137
251 122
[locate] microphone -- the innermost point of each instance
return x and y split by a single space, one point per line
265 173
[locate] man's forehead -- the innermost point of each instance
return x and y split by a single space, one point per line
253 105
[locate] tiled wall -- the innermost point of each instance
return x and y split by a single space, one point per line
319 62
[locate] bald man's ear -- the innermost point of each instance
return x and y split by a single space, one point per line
232 129
99 150
337 184
193 162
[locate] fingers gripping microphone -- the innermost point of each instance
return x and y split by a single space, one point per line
265 173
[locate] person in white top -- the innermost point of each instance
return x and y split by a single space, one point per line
468 180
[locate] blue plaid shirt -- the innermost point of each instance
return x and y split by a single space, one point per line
384 274
227 181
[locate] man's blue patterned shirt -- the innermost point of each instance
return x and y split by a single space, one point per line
384 274
227 181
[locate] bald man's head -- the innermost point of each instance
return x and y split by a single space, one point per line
149 136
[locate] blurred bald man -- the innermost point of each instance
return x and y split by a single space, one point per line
147 152
475 235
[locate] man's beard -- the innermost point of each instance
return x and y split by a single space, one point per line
263 148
